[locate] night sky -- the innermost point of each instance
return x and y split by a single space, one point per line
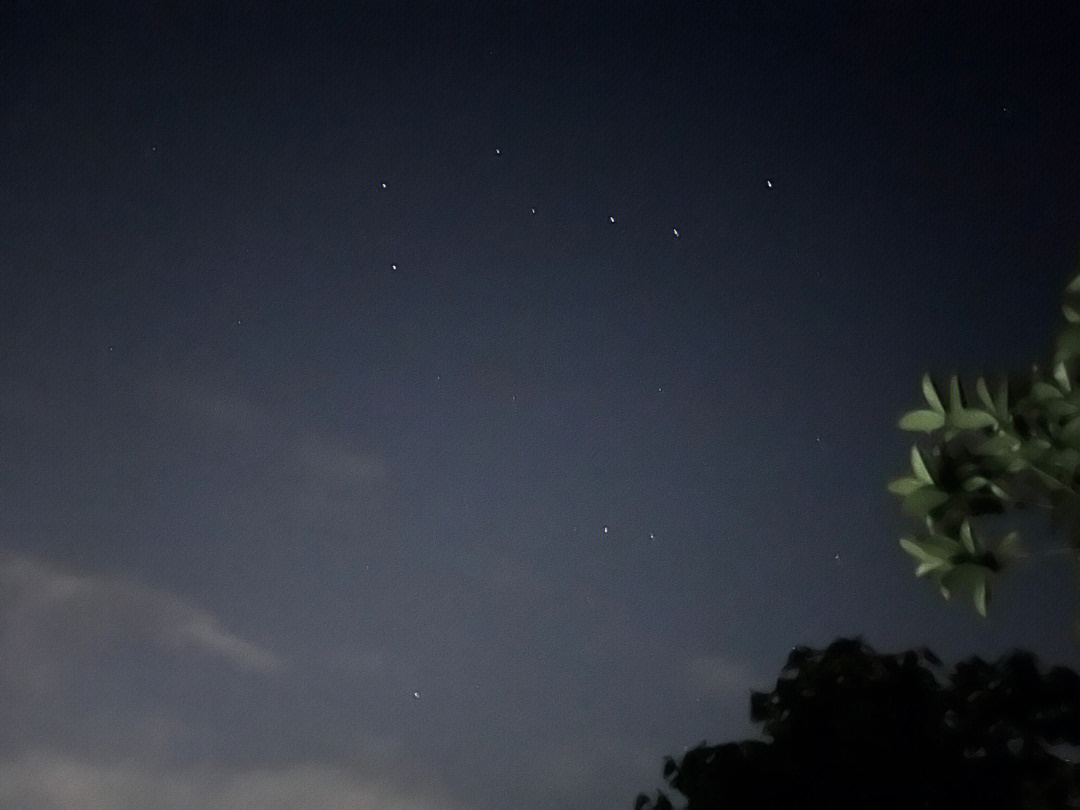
466 405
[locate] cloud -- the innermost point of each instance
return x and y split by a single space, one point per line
338 463
720 677
203 631
567 766
328 459
44 780
45 611
225 410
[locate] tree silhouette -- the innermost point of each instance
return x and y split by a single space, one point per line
849 728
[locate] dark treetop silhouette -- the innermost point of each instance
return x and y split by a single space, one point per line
853 728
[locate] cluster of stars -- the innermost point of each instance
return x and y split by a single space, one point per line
607 529
611 218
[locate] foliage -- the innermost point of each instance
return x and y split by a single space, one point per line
848 727
1018 448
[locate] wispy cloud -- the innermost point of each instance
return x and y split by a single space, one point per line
567 766
219 408
203 631
327 457
43 780
721 677
43 609
337 462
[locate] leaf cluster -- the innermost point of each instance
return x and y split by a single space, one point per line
1017 448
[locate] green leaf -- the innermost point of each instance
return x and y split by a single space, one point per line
955 401
931 394
984 395
1070 432
1061 374
1071 315
932 567
971 579
981 596
928 563
1068 343
1066 460
1010 547
925 500
904 486
919 466
924 420
1057 408
1001 447
1034 450
1074 285
966 538
970 419
975 482
933 549
1018 464
933 555
1003 399
1042 391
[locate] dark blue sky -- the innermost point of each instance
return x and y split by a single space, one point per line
465 406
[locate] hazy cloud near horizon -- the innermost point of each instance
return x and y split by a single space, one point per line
43 780
61 632
45 609
722 677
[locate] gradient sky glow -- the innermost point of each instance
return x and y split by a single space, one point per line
404 406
